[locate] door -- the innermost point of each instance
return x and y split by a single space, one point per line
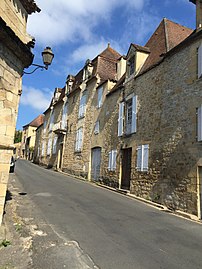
200 191
126 168
95 165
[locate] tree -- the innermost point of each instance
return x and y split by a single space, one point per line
18 136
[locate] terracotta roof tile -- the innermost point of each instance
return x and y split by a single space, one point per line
36 122
168 35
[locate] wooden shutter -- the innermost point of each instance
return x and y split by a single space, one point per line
54 144
113 163
199 127
139 158
120 119
200 61
134 114
145 157
110 161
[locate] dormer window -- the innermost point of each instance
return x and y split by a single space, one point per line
87 71
131 65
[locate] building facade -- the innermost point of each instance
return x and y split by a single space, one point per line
15 55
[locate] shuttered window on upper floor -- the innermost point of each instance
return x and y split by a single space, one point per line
127 121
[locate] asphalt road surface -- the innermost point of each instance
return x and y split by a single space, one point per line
115 231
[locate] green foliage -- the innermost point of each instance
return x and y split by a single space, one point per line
5 243
18 136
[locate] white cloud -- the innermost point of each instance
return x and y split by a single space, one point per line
61 21
35 98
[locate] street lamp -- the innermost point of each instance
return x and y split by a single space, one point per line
47 56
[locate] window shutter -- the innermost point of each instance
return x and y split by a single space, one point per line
199 123
49 146
134 114
97 127
114 153
139 158
110 161
54 144
120 119
100 93
64 116
145 157
200 61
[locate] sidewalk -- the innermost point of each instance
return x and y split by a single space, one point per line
33 243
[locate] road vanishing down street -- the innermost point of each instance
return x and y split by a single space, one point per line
115 231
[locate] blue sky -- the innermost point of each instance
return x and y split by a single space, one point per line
79 30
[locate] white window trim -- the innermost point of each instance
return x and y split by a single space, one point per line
51 120
141 150
49 146
64 116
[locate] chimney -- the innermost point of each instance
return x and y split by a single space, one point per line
198 4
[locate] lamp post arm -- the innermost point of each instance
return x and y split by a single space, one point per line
37 67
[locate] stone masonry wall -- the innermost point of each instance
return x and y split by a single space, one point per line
10 89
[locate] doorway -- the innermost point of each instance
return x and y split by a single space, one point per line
96 162
126 168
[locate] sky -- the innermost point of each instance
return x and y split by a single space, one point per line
79 30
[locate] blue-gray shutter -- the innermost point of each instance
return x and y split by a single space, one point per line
200 61
134 114
114 153
139 158
145 157
110 161
199 124
120 119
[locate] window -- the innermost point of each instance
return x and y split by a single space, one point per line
82 106
97 127
112 160
127 116
79 138
64 116
51 121
49 146
99 97
142 158
55 144
131 66
199 123
200 61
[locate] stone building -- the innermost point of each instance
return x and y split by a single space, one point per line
15 55
158 152
85 100
29 137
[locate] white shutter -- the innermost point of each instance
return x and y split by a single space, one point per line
120 119
64 116
134 114
100 93
113 166
79 138
82 106
110 161
145 157
49 146
97 127
200 61
54 144
139 158
199 127
43 149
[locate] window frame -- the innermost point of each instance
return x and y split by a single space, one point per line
140 162
112 160
79 140
82 105
99 97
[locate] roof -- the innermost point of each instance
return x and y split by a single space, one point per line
30 6
167 35
140 48
118 85
36 122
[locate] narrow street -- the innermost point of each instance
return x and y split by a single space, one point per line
112 230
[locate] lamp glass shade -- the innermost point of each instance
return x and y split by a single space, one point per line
48 56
